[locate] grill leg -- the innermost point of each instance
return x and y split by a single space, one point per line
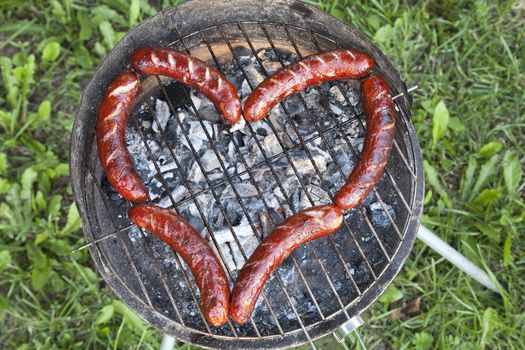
167 343
442 248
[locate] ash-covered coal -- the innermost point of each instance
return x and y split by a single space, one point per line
248 178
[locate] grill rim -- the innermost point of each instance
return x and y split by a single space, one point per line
78 174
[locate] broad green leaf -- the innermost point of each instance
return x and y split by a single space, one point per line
27 73
106 29
73 220
134 12
489 324
457 125
439 121
41 237
512 172
427 106
507 253
62 169
490 148
60 247
44 111
428 197
384 34
423 341
50 52
3 305
105 314
86 24
53 207
488 196
11 84
487 171
100 49
5 259
37 256
3 164
391 295
103 12
28 178
40 201
135 321
7 118
4 185
490 231
374 21
82 56
58 11
468 178
432 179
40 276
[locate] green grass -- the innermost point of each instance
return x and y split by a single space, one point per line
466 56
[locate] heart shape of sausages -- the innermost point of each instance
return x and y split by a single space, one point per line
298 229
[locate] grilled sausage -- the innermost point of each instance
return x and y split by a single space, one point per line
194 72
312 70
111 127
298 229
186 241
380 120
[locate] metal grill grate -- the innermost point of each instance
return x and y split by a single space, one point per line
166 295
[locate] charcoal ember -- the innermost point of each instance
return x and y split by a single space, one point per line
344 159
338 95
271 66
195 174
336 109
271 145
243 54
233 212
305 164
265 54
254 74
245 90
358 143
261 128
162 113
210 161
379 215
265 219
255 157
296 200
208 111
246 189
318 194
227 255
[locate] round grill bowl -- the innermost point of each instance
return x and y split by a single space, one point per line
135 266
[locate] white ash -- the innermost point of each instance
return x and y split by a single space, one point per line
162 112
254 74
379 215
336 109
339 97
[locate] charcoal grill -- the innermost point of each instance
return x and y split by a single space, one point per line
336 277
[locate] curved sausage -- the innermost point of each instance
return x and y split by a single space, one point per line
111 144
186 241
194 72
298 229
380 120
312 70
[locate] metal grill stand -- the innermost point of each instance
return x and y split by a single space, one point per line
337 277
